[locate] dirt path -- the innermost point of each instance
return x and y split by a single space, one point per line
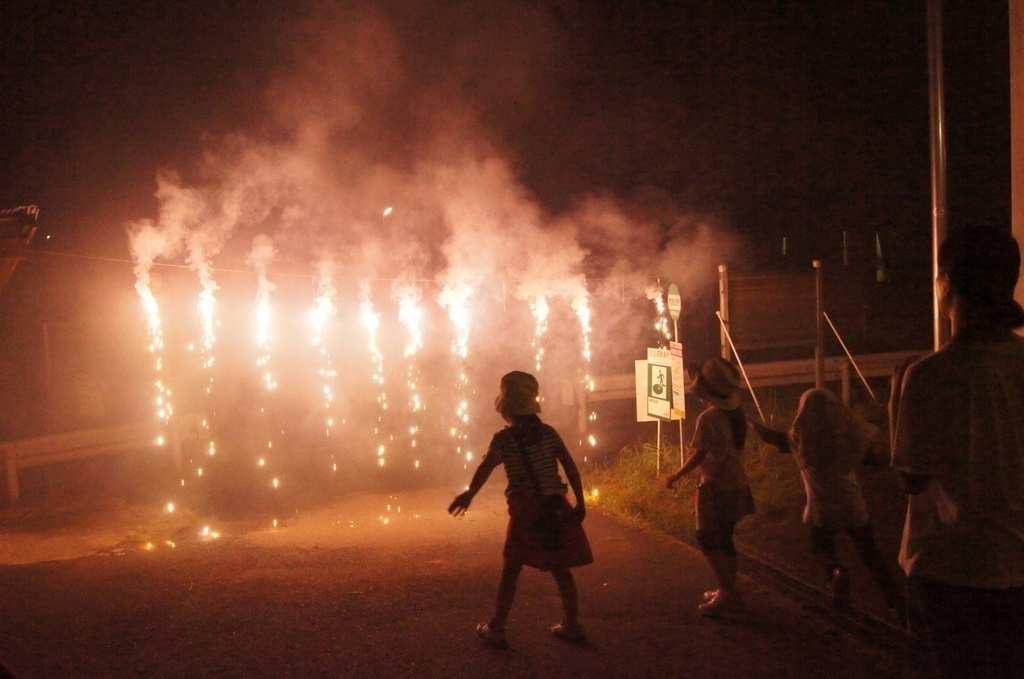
376 585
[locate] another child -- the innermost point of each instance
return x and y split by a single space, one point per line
531 452
829 442
723 490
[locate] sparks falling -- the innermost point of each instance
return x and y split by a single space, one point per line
539 308
324 308
456 301
262 254
656 294
207 320
156 346
410 314
371 320
581 305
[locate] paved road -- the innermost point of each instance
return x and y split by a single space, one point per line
378 585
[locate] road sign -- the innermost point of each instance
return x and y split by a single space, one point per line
678 381
675 302
659 383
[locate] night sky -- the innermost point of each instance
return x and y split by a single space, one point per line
778 118
531 142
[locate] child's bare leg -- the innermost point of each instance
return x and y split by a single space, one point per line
724 568
506 593
570 597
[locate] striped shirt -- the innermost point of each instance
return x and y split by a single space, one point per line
541 444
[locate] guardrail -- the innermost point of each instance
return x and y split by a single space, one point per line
74 445
777 373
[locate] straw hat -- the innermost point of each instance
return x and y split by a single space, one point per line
718 383
519 394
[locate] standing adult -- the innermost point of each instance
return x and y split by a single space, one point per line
723 490
959 451
544 530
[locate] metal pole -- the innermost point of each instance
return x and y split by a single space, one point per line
682 456
742 370
723 309
819 345
936 105
1017 125
657 467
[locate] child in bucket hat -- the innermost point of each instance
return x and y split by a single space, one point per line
718 383
531 452
723 490
519 394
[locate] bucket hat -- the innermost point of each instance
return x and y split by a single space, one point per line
519 394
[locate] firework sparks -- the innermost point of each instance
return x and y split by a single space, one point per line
581 306
164 409
656 294
539 308
262 254
324 307
456 300
410 314
147 242
371 319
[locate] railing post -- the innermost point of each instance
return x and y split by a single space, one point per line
844 377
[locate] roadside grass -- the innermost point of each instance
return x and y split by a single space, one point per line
629 486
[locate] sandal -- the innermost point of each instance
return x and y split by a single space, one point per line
494 637
574 634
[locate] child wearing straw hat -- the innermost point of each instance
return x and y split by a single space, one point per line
723 490
531 452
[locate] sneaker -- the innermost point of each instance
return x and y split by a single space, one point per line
722 601
574 634
494 637
840 588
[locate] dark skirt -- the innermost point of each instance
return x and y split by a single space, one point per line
525 544
717 509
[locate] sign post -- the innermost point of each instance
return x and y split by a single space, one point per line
675 306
